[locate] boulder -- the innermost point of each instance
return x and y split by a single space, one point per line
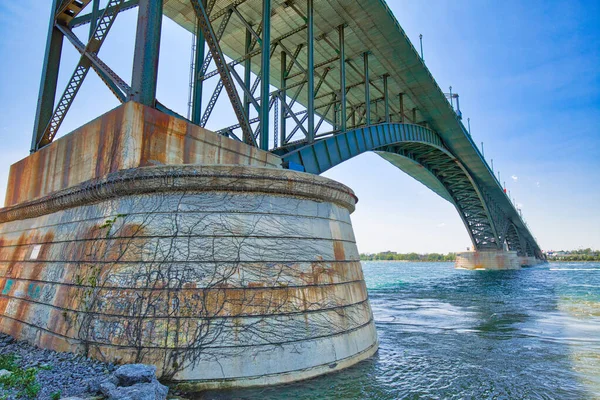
4 372
94 385
106 387
130 374
139 391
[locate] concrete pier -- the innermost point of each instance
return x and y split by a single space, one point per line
146 251
488 260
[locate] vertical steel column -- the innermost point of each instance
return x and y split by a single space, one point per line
265 75
386 98
367 90
94 17
283 96
247 74
336 114
414 115
310 63
47 93
198 62
343 115
401 108
147 46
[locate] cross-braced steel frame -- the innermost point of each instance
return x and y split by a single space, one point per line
298 92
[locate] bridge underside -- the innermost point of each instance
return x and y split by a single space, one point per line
314 81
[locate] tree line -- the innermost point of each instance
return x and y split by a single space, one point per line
574 255
393 256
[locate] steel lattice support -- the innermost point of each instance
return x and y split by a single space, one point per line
102 27
314 89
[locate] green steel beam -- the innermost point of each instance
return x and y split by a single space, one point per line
247 73
343 110
310 63
198 64
94 17
283 97
401 107
367 90
49 80
147 47
265 75
386 98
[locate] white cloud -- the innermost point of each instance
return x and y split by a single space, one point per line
443 224
537 184
515 178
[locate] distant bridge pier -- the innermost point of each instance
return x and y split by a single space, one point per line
488 260
494 260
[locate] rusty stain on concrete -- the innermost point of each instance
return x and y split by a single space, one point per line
129 136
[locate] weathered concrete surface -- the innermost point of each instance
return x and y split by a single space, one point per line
129 136
488 260
221 276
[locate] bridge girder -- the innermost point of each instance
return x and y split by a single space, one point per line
486 223
308 66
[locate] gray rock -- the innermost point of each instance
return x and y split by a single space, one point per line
131 374
4 372
72 398
139 391
94 384
106 387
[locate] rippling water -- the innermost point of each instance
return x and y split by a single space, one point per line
453 334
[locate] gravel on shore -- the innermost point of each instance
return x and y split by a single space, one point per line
59 375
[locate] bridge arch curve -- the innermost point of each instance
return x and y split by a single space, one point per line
419 152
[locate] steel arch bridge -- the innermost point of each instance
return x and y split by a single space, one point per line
316 82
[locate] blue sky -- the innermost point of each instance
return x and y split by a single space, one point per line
527 74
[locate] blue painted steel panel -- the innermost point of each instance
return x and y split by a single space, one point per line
309 160
342 142
334 150
402 132
378 135
352 143
360 140
386 135
394 132
322 155
295 167
294 158
367 132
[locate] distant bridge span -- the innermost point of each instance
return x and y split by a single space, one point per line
421 153
314 81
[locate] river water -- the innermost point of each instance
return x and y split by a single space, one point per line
455 334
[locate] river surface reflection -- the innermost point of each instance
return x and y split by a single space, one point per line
455 334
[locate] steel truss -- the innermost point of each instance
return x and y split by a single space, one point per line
488 225
328 104
310 99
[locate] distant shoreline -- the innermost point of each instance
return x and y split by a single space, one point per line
426 261
414 261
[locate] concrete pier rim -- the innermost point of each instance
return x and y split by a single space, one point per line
279 378
193 178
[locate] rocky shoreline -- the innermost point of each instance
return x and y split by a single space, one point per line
28 372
